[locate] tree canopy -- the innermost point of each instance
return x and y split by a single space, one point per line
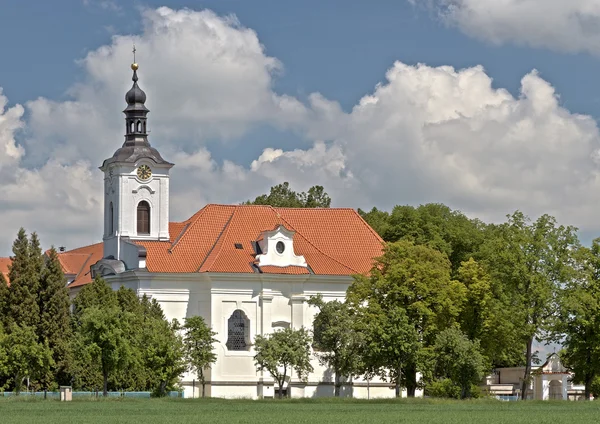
283 352
198 343
283 196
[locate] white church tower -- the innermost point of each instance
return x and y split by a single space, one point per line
136 188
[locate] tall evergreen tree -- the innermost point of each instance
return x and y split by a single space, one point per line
94 294
24 275
4 301
55 317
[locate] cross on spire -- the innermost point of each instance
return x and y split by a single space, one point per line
134 50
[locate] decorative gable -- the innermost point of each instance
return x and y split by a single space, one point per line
277 249
553 365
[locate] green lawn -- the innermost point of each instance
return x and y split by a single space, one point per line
150 411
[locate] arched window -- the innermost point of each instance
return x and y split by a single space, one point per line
131 127
143 218
111 219
139 126
238 331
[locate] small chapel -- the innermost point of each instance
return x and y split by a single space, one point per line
247 270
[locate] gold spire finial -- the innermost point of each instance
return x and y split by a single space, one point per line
134 65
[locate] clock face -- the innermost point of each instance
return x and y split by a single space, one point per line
144 172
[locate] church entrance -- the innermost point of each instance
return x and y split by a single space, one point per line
555 391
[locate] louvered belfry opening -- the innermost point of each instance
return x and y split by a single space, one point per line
143 218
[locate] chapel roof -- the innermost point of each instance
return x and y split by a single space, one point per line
77 263
4 263
333 241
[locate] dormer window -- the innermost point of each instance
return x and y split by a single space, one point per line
276 248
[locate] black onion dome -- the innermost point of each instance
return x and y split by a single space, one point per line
135 95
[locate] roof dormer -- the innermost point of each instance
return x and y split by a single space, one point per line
277 249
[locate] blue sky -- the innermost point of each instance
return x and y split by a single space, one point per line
309 92
339 48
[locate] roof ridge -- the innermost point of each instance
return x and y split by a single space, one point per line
83 266
225 230
181 233
319 250
74 251
188 226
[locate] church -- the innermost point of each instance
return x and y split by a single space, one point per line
247 270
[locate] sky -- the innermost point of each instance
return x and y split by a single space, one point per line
487 106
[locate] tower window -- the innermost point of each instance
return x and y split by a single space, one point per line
131 127
143 218
238 331
139 126
111 219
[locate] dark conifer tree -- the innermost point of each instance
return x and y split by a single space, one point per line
55 316
24 276
3 301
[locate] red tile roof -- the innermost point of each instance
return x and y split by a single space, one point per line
333 241
77 262
4 263
74 262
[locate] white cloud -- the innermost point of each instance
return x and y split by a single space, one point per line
423 135
10 122
565 25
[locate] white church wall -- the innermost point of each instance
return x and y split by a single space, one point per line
266 301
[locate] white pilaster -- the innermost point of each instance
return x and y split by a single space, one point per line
545 388
297 311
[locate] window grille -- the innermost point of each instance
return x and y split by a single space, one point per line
238 327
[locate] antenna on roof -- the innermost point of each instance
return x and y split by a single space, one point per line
62 249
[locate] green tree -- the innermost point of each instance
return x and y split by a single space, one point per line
459 359
136 375
164 354
283 352
55 319
104 334
4 300
24 276
434 225
486 316
198 341
24 356
337 343
578 326
316 197
97 293
531 261
391 342
283 196
414 278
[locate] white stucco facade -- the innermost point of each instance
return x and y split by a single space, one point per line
269 302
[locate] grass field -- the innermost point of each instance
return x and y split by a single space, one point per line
151 411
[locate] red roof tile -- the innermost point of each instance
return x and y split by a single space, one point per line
333 241
4 263
78 262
